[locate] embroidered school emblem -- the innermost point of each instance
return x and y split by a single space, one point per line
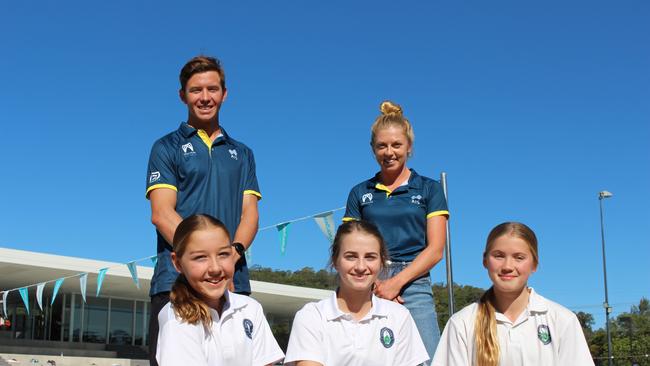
386 337
544 334
248 328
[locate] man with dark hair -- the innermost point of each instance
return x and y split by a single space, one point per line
200 169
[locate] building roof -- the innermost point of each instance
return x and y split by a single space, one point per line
19 268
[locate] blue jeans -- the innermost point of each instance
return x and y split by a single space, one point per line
418 298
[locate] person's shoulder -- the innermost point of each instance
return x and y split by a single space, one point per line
238 143
170 139
168 320
465 315
363 185
554 309
427 181
392 308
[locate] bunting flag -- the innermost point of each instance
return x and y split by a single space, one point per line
57 285
134 273
4 303
83 281
325 222
39 295
25 296
100 279
154 260
283 229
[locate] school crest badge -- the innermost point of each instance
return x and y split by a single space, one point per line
386 337
248 328
544 334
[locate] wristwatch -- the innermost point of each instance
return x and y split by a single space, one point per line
239 247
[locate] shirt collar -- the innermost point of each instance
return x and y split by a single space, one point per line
536 304
332 312
414 181
187 131
232 304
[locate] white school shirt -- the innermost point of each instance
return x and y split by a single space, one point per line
546 333
387 335
240 337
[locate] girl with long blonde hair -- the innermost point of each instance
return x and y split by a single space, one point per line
511 324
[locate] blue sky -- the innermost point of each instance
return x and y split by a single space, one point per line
531 109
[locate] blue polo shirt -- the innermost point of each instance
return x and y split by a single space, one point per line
400 215
210 177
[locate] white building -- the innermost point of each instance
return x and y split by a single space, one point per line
116 319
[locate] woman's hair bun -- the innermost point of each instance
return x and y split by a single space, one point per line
388 107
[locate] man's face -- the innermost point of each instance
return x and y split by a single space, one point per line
203 96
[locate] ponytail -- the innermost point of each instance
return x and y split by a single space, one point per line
187 305
485 331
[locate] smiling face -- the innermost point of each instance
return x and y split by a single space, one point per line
391 148
203 95
207 264
358 262
509 262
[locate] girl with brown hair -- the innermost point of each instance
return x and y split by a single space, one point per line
512 325
205 324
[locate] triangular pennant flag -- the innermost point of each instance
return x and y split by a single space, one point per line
325 222
154 260
134 273
39 294
25 296
57 285
283 229
83 281
4 302
100 279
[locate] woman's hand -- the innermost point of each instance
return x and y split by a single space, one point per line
389 289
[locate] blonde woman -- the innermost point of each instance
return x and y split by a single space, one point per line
411 213
512 325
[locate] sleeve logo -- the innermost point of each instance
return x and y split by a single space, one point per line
416 199
366 198
233 153
248 328
154 176
386 337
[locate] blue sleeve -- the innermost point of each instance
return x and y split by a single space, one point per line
250 181
436 202
161 171
352 209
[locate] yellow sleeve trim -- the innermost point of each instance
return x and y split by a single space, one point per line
156 186
254 193
346 219
438 213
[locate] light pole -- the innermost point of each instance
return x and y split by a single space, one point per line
601 196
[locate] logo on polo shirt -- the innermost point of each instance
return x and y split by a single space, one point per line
366 198
386 337
248 328
188 149
416 199
233 153
154 177
544 334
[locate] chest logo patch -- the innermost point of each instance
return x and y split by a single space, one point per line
366 198
154 176
187 148
544 334
416 199
248 328
386 337
233 153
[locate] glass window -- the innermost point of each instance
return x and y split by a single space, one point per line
56 320
121 321
77 318
95 319
139 321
